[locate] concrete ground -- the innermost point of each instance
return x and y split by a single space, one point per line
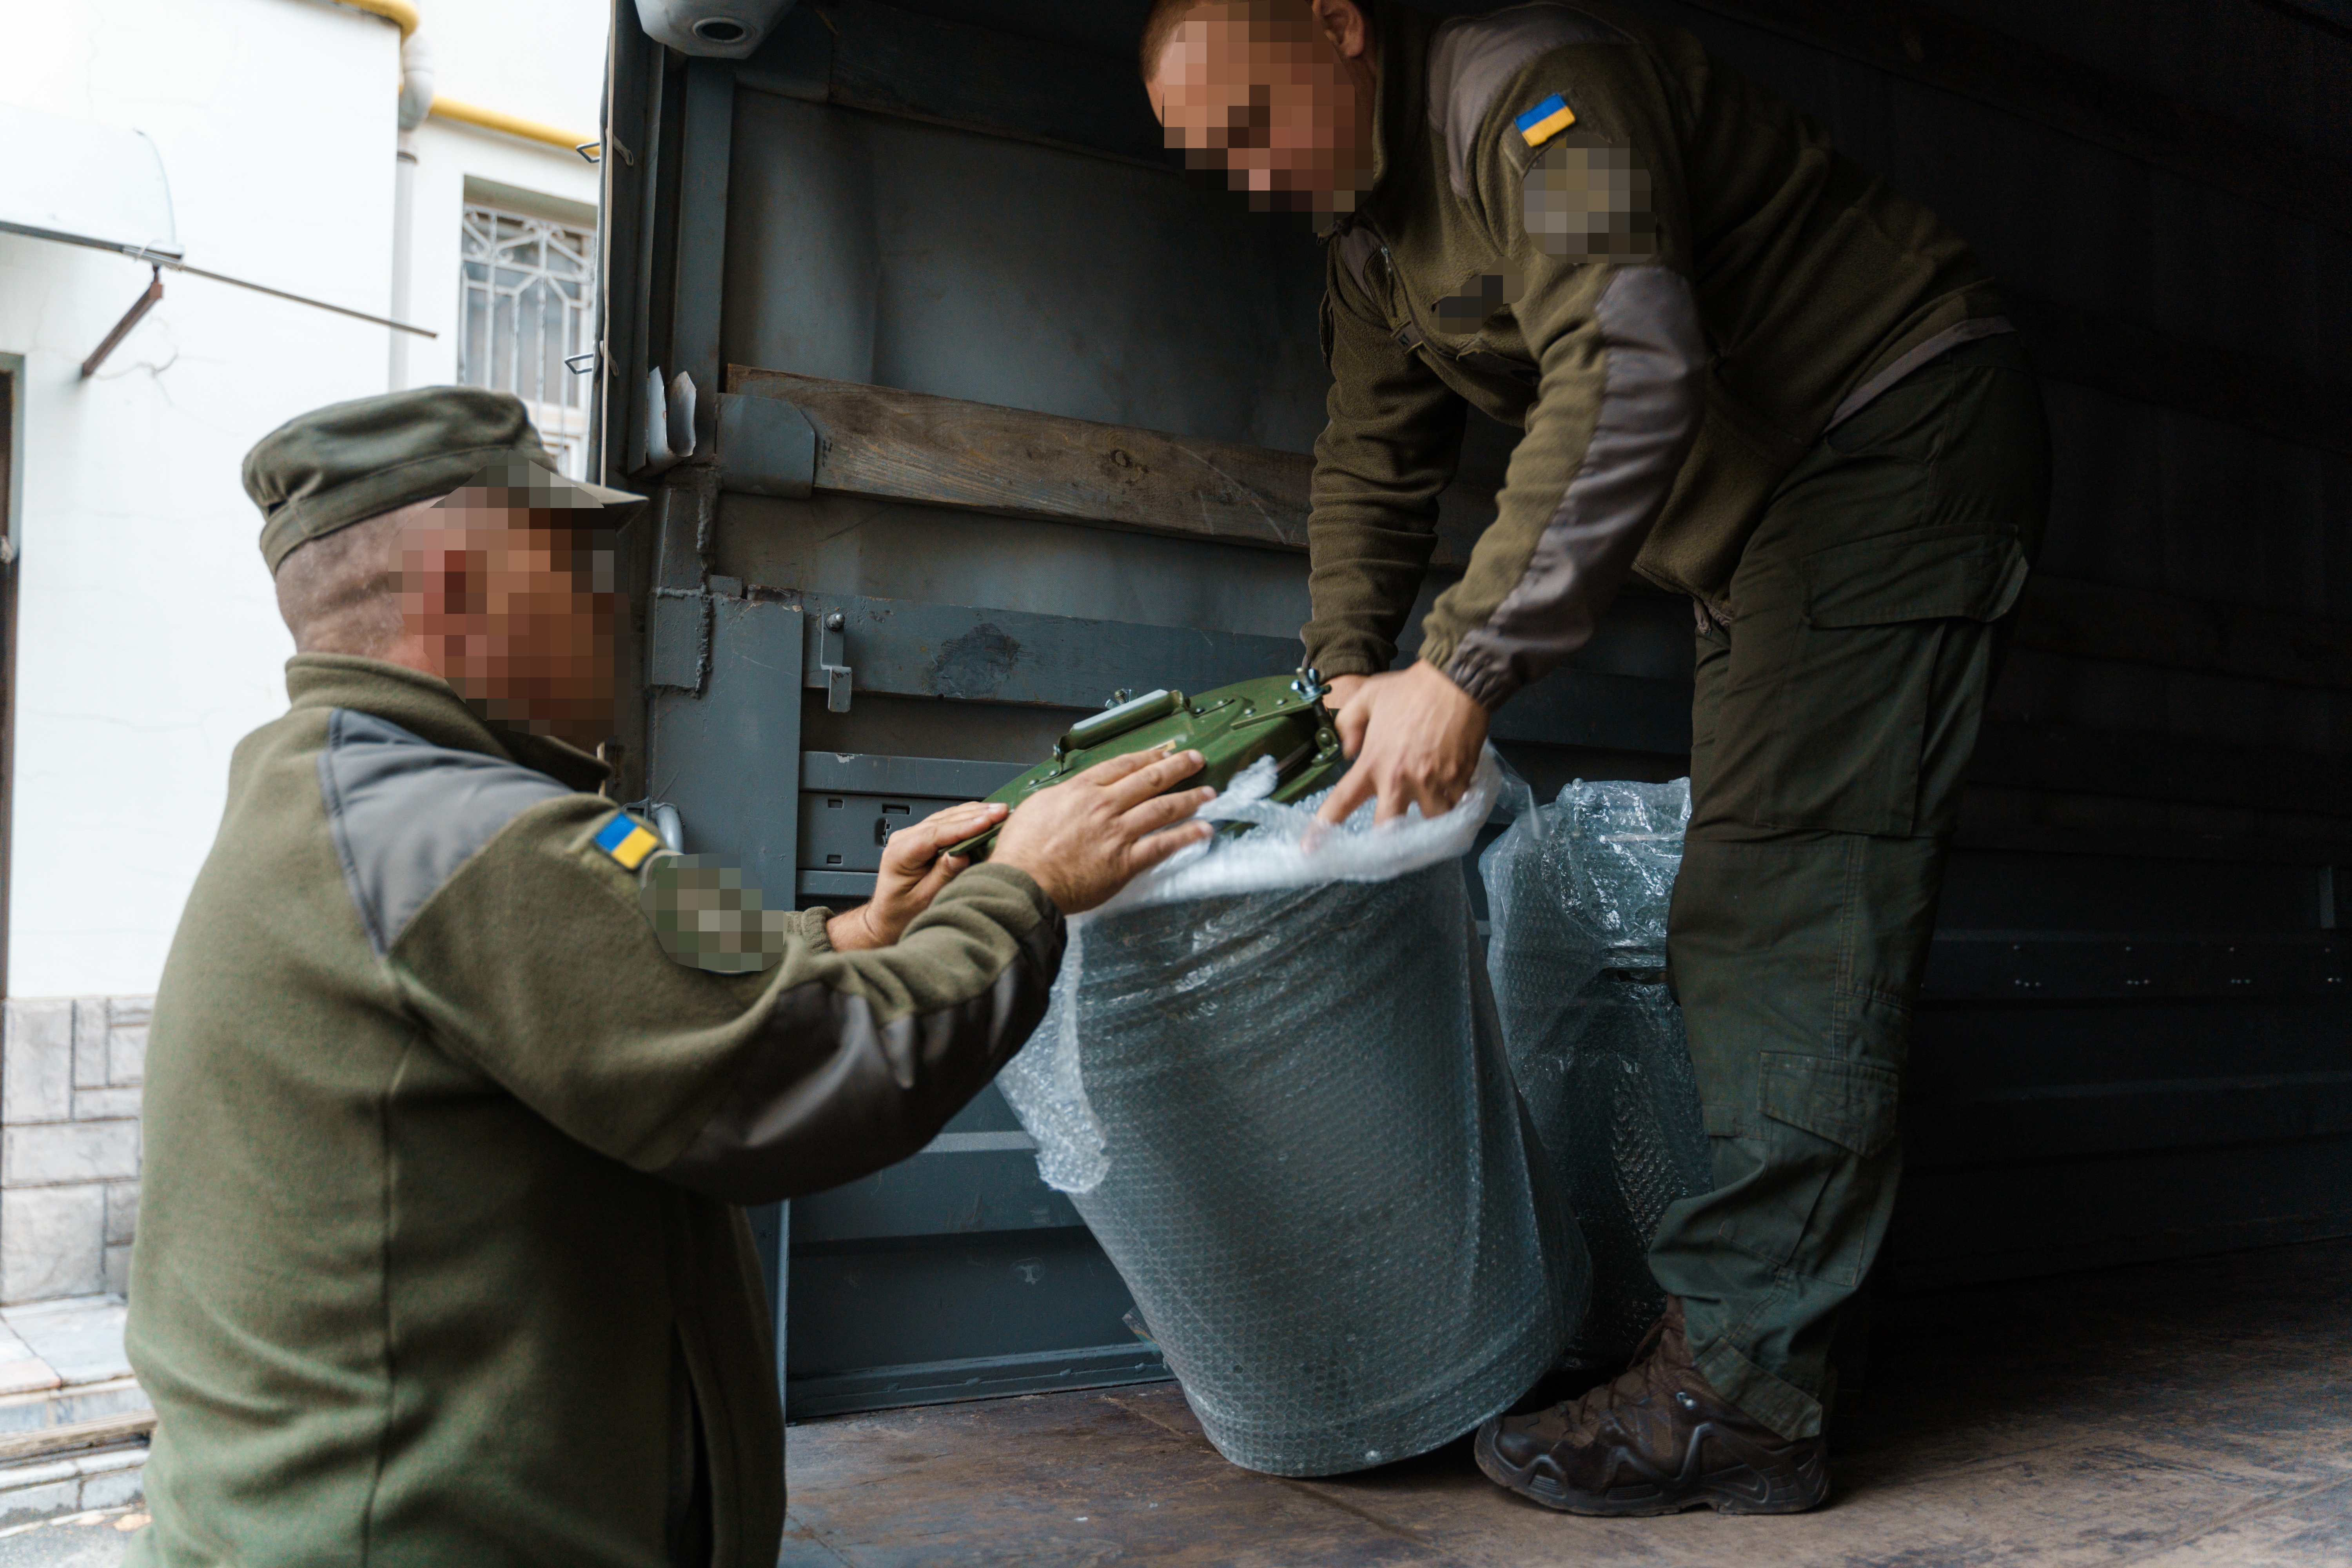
95 1540
2176 1416
2172 1416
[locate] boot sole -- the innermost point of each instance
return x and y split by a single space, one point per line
1710 1492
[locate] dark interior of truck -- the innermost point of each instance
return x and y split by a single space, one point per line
963 404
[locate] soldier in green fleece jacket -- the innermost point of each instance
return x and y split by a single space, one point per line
455 1075
1750 372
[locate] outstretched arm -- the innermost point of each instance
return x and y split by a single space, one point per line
537 962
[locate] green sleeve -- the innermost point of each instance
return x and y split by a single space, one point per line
536 964
1394 439
1593 224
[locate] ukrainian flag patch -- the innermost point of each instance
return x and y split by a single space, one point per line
1546 120
628 840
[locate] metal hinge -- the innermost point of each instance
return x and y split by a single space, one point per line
833 657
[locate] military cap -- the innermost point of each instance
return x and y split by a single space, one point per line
350 461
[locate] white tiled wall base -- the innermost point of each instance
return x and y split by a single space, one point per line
71 1075
70 1072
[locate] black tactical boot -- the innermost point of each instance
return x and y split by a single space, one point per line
1657 1440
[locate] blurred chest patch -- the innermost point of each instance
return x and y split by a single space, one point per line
1589 201
706 916
1478 296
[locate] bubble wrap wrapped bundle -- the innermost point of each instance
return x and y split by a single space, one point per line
1274 1086
1578 891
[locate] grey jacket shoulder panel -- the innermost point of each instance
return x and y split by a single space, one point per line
1356 247
406 814
1471 59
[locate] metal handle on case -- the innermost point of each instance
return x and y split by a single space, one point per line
1112 722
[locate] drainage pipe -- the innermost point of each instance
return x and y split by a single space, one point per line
418 100
415 103
403 14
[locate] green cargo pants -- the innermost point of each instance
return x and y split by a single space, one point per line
1832 720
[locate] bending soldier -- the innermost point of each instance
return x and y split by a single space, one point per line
1751 373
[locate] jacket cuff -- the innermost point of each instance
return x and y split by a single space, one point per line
991 882
810 928
1488 687
1340 650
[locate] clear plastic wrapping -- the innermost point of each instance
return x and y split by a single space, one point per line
1275 1084
1578 892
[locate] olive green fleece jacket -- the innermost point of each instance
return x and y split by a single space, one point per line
434 1262
1582 224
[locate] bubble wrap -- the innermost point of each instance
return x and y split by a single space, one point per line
1308 1160
1578 893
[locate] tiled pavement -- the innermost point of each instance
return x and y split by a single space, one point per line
71 1343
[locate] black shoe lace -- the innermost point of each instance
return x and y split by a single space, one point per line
1640 1376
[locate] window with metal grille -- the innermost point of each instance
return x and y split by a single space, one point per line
526 303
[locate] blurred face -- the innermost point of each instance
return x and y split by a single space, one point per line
1277 94
515 608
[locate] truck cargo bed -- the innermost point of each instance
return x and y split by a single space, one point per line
999 409
2165 1414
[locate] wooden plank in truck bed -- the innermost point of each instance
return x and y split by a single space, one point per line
879 441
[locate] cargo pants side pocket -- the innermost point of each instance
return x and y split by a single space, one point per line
1824 1143
1878 702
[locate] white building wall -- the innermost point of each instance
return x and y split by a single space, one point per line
542 59
148 641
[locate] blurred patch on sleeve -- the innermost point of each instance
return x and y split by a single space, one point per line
1587 200
708 917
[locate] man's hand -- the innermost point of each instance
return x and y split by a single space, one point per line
1089 835
1414 736
913 872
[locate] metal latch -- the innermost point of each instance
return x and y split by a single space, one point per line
833 657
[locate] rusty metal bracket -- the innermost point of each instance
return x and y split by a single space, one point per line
131 318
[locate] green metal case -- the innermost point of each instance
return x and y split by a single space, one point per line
1278 716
